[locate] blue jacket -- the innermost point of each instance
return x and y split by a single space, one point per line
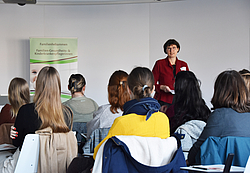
215 150
117 158
145 106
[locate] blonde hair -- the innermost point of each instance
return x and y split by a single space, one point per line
18 94
47 100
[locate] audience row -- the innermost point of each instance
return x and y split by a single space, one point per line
131 109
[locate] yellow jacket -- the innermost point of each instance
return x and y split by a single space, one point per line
136 125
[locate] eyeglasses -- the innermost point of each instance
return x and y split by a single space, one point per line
171 48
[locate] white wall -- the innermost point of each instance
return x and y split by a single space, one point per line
214 36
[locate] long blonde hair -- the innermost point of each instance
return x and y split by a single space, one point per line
48 101
18 94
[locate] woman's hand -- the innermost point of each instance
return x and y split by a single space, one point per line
13 132
165 88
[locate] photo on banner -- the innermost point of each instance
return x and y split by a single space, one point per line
60 53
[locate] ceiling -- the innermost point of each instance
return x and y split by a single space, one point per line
89 2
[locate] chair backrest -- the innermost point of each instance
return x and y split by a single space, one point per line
247 168
79 128
28 158
57 150
95 138
5 133
47 152
215 150
228 163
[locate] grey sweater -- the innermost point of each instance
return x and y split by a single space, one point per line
192 130
82 107
103 118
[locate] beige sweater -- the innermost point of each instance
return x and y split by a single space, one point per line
57 150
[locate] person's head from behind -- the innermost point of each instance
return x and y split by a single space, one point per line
246 76
140 83
187 88
230 91
47 100
117 90
171 44
188 98
18 94
76 83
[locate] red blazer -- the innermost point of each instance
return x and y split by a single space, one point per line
163 74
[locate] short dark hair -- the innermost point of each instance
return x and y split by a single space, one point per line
230 91
169 43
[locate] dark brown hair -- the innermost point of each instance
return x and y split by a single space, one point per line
230 91
76 83
141 82
246 76
117 90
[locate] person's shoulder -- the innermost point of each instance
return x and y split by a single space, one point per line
160 60
101 109
6 107
66 102
89 100
182 62
27 109
222 113
161 115
28 106
104 107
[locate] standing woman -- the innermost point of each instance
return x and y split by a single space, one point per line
165 71
141 116
18 95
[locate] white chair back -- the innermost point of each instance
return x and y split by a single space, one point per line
29 155
247 168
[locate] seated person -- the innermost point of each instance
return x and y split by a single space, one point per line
117 96
231 115
141 116
189 113
46 110
188 103
82 107
18 95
